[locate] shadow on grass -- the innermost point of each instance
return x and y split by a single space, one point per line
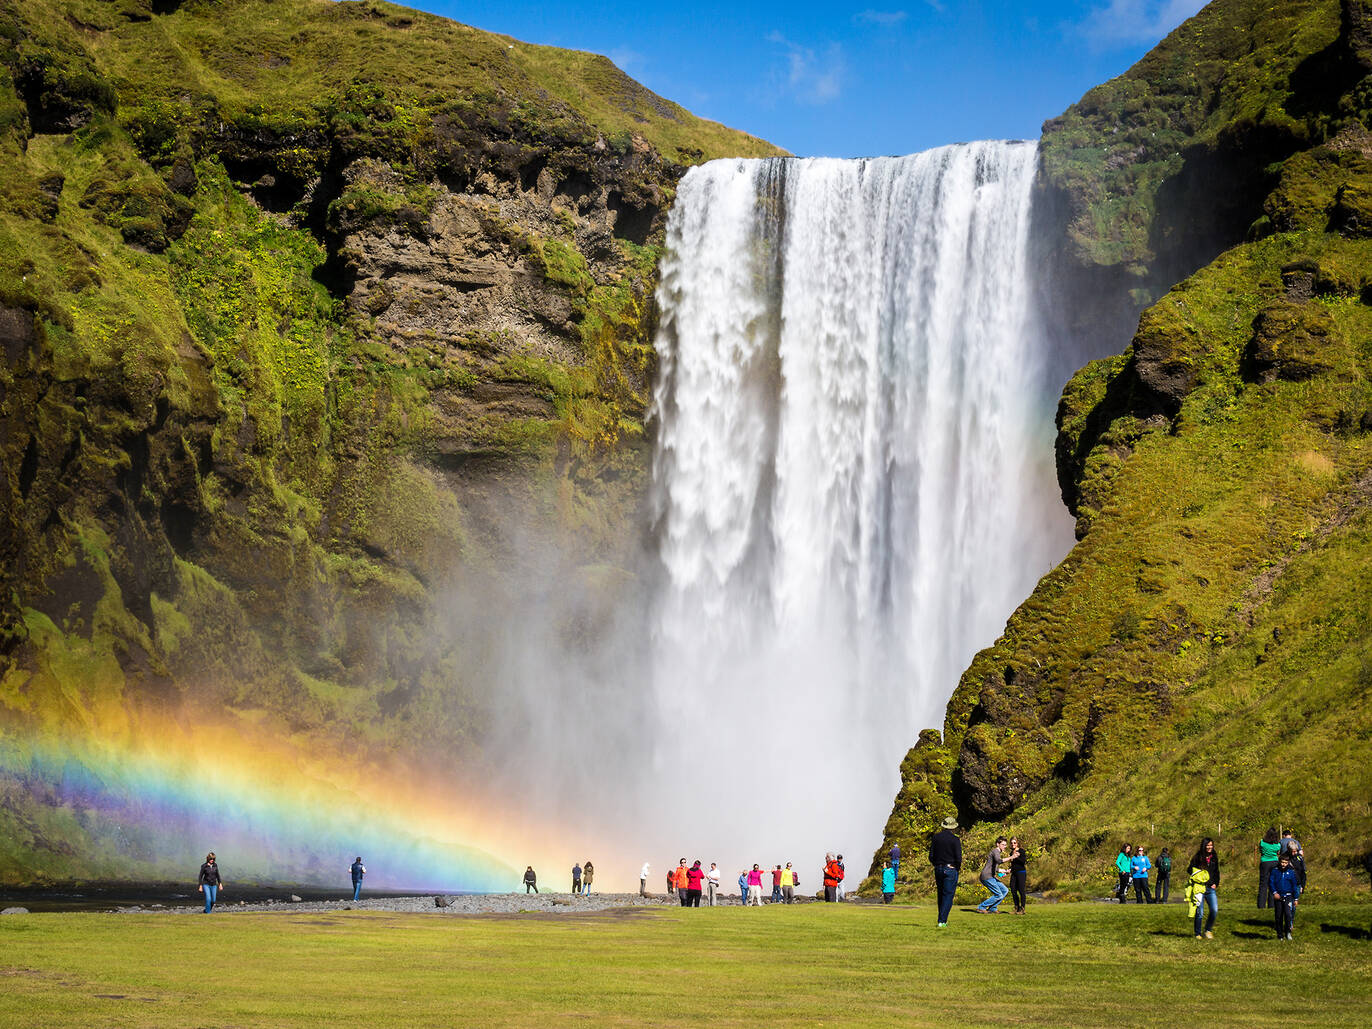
1353 932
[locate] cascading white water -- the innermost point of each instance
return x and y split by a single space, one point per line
853 480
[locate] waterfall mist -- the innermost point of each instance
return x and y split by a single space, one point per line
853 487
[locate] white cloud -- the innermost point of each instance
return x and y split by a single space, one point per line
811 76
885 19
1131 22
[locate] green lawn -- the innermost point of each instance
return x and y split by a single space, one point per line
1063 964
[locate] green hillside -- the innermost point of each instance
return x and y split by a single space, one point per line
302 306
1201 663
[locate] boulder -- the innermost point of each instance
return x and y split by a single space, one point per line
442 902
15 911
295 899
1292 342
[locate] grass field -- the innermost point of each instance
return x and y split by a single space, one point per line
850 965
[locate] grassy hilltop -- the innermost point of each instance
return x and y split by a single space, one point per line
302 305
1201 663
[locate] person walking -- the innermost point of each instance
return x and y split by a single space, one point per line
587 876
1285 887
695 876
895 858
1292 846
1162 887
743 887
1122 860
888 883
1019 875
945 854
991 874
712 882
1207 860
210 882
755 886
833 875
776 885
576 878
358 870
530 880
1269 847
789 881
643 880
1139 867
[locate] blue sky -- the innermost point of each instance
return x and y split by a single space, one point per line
852 79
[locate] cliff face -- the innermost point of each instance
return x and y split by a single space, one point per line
311 314
1199 664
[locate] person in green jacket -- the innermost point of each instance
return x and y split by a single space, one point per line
1269 847
1123 864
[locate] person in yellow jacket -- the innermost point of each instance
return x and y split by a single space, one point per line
789 882
1196 886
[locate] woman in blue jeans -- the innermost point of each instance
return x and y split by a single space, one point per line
209 881
991 873
1207 859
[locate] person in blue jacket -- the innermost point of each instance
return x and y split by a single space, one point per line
743 887
1284 884
1140 866
888 883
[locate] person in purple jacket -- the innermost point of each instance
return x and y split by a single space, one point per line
1284 884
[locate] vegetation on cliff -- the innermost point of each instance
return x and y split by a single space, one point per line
301 305
1201 663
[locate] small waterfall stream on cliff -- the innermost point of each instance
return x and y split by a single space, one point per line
853 481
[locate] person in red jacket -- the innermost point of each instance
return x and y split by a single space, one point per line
833 875
694 876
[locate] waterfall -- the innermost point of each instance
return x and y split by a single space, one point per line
853 481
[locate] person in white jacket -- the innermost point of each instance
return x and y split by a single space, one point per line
643 881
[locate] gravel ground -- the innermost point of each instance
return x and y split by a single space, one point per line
469 904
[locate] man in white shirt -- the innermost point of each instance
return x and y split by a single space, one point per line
712 882
643 881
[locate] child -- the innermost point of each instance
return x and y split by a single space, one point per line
888 883
743 886
1284 884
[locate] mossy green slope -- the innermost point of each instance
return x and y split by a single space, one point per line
239 465
1201 662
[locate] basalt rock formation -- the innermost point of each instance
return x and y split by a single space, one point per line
310 313
1201 662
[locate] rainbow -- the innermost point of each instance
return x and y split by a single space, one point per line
148 803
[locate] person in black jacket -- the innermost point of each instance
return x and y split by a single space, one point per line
530 880
358 870
945 854
1207 858
1019 875
210 882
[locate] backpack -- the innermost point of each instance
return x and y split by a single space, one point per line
1165 865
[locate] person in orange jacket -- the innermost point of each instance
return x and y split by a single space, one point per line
833 875
679 881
